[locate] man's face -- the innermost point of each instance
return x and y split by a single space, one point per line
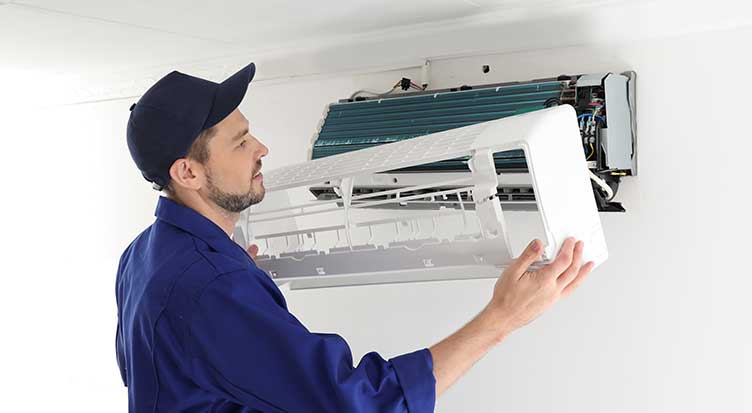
233 171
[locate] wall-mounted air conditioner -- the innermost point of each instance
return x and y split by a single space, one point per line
604 105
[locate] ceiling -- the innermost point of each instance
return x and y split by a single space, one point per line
263 23
91 35
48 40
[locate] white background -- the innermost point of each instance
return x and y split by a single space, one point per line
664 325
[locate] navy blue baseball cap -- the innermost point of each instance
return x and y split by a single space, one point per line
168 118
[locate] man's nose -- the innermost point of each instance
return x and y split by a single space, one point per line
263 150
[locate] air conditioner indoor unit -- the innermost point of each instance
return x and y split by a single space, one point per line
414 187
604 103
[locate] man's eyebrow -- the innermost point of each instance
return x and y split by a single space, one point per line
240 135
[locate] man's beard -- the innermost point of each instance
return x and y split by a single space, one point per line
232 202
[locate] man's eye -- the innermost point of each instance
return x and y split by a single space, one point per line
242 143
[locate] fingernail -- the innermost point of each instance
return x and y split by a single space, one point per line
534 245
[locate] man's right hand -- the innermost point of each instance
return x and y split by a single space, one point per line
521 295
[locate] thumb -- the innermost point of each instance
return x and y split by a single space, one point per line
531 254
253 251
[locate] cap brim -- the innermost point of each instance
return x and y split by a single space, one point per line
229 95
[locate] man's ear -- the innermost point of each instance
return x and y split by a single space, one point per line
187 173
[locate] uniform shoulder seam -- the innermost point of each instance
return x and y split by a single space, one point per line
203 288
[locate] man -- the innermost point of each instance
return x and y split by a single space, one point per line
202 329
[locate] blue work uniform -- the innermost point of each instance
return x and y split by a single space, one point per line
202 329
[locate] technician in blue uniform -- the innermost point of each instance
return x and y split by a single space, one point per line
202 329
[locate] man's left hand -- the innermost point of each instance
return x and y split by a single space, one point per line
253 251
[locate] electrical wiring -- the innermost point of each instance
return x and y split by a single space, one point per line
416 86
396 86
377 94
589 128
602 184
586 115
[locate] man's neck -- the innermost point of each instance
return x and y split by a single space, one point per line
213 212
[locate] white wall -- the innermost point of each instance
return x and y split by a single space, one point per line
662 326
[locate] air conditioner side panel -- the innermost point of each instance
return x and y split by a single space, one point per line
562 184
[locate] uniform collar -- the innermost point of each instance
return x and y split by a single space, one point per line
191 221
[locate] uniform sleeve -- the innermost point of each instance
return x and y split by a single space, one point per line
119 343
245 347
120 351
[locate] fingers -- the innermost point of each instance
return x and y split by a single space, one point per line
581 275
253 251
531 254
563 260
568 275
